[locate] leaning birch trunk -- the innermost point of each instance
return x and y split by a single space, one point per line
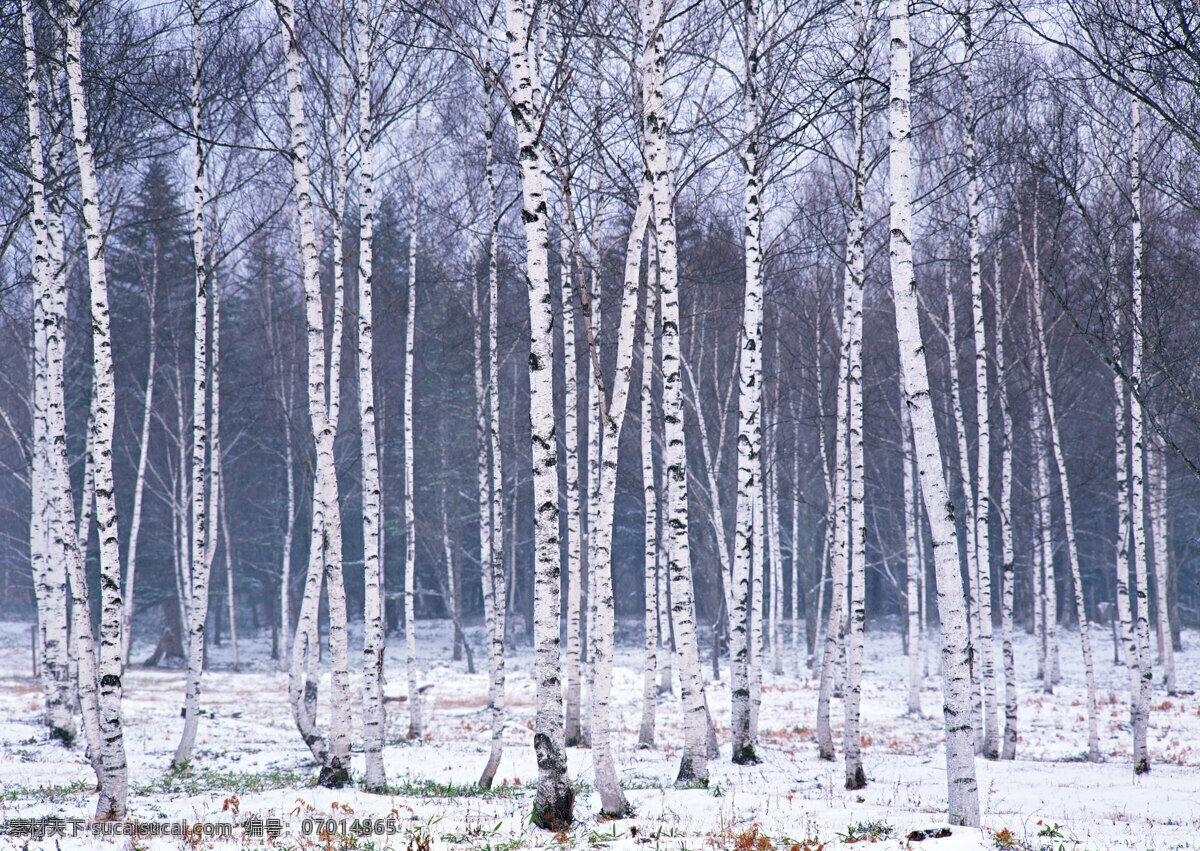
1141 714
111 743
982 495
855 279
374 634
416 724
1158 512
693 766
612 415
911 569
201 566
554 803
574 525
1072 548
650 504
749 444
492 486
325 544
47 520
1008 572
963 793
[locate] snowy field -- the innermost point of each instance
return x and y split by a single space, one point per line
251 766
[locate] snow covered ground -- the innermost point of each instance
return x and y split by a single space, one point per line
251 766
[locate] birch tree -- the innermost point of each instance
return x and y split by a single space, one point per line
200 565
47 521
693 766
491 471
852 350
1008 574
960 748
374 634
650 505
1141 713
416 724
749 445
555 799
109 746
325 544
981 533
1072 547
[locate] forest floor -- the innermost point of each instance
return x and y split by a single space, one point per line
251 768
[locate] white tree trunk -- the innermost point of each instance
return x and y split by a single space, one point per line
1008 568
960 746
912 569
111 743
325 547
1141 714
612 415
982 487
693 767
200 564
650 504
965 477
491 479
574 525
749 444
374 633
1072 548
47 517
776 553
554 803
1162 564
852 324
416 723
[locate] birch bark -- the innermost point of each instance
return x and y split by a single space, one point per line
325 545
416 724
1072 547
111 744
1158 510
574 525
911 568
1141 714
857 530
374 633
960 749
493 571
201 566
982 481
749 445
650 504
1008 568
47 518
554 802
612 415
693 767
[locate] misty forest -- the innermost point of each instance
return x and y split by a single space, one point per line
515 424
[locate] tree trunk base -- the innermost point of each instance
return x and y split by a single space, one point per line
856 779
333 776
745 755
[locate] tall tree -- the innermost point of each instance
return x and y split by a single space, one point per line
555 799
960 746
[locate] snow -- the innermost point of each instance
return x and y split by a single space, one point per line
250 762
